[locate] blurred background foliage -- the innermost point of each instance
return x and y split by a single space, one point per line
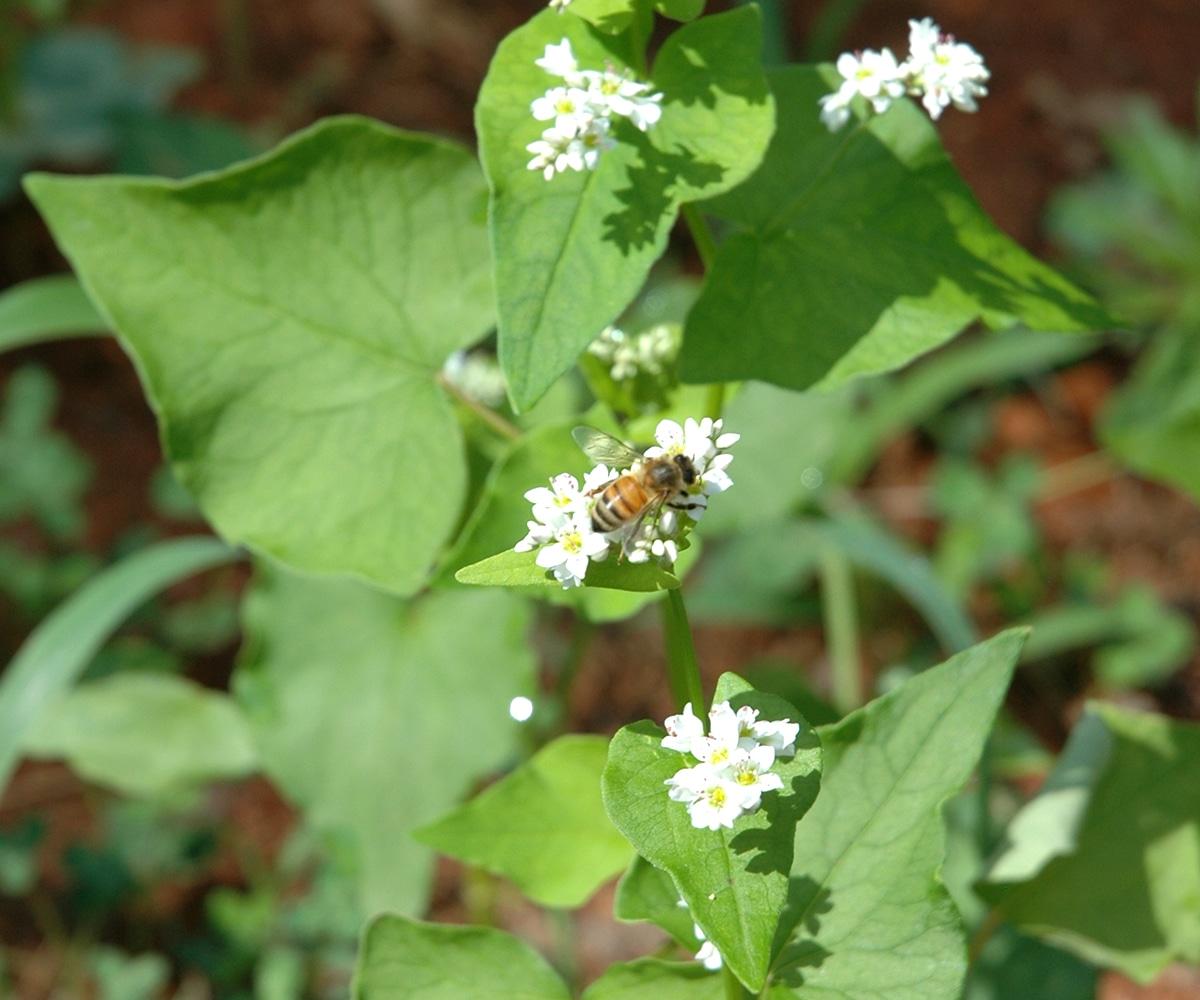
1006 478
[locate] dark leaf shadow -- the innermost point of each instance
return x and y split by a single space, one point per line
653 178
801 951
773 844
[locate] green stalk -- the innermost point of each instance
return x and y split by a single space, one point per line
841 628
682 667
702 235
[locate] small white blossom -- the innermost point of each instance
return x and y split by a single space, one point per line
627 356
559 60
779 736
718 805
567 107
751 771
574 545
560 502
477 376
943 71
939 70
708 955
559 5
682 729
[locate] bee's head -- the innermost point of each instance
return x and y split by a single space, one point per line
686 469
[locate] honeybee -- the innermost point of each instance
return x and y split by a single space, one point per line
628 498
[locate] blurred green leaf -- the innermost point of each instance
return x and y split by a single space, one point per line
376 715
573 251
19 856
293 413
734 881
1140 639
169 144
405 960
550 803
129 977
61 647
867 914
145 734
46 309
857 253
1105 860
1152 423
41 472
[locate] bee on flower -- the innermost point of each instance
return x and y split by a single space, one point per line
641 503
939 70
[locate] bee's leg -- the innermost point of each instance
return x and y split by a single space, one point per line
687 505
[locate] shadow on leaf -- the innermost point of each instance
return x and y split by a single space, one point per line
653 178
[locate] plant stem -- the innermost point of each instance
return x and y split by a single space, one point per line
682 667
716 400
841 629
490 417
734 990
702 235
984 933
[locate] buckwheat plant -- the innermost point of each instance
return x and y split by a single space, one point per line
424 530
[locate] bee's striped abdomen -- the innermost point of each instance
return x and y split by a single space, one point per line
618 504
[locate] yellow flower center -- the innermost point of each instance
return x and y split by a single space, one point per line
716 796
719 756
746 777
565 106
572 542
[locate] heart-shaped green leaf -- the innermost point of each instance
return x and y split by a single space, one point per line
857 252
573 251
289 317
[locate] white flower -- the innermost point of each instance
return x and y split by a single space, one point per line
943 71
708 954
650 351
613 93
539 534
682 729
559 5
568 108
477 376
695 439
751 771
560 502
718 805
549 152
559 60
779 736
938 70
568 555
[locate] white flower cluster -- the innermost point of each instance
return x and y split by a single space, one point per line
650 351
734 761
939 70
559 5
582 109
561 529
476 375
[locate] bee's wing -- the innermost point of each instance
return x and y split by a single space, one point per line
604 449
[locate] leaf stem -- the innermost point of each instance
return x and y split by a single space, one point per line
682 667
499 424
702 235
841 628
715 404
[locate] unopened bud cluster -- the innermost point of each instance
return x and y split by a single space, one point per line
628 355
